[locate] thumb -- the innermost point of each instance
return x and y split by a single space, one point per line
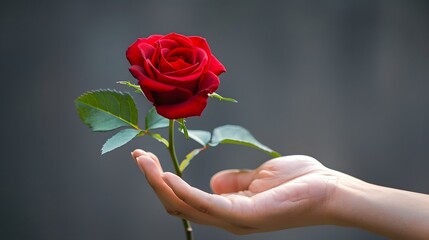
229 181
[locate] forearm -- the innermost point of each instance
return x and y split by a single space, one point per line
393 213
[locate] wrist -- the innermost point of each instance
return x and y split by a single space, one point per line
389 212
347 203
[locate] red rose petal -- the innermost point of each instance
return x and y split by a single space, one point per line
172 79
189 82
202 58
175 96
216 66
182 40
164 65
147 66
208 84
179 64
156 55
187 54
194 106
164 51
152 39
169 43
201 43
149 83
148 95
133 53
183 72
146 50
176 59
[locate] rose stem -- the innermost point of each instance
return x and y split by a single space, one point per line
171 149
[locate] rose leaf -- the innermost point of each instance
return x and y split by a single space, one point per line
159 138
232 134
189 157
119 139
199 136
105 110
154 120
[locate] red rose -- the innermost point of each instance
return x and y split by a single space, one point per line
175 72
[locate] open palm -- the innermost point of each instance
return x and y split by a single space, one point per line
282 193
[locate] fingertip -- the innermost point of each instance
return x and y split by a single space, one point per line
217 179
148 165
214 181
154 158
169 178
137 152
228 181
141 162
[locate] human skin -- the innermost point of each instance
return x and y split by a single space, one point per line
287 192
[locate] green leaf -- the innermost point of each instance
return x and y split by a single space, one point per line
129 84
119 139
189 157
154 120
215 95
200 136
183 127
159 138
233 134
105 110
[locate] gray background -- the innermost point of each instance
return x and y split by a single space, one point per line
343 81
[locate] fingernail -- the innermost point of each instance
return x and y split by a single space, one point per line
141 157
135 160
138 161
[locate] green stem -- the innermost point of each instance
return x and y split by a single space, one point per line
171 149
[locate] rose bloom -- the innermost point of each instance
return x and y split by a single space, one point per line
175 72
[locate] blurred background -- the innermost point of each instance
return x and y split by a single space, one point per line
343 81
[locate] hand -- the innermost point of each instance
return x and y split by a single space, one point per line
285 192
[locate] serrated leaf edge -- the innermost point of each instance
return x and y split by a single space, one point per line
103 150
111 90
